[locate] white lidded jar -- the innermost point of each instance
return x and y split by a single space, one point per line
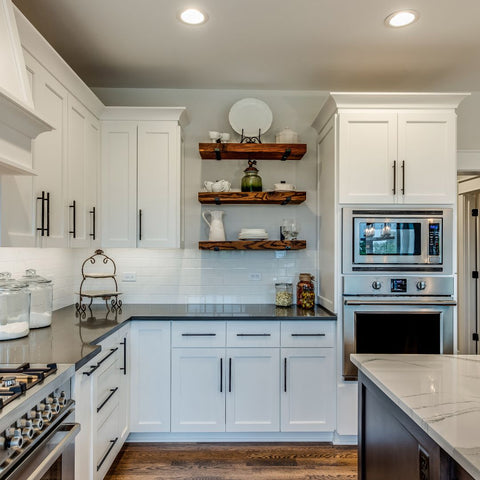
41 290
287 135
14 308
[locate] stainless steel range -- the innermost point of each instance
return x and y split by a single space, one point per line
397 313
36 422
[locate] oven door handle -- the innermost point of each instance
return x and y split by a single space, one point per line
401 302
39 472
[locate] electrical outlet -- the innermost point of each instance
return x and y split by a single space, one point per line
129 277
255 276
280 253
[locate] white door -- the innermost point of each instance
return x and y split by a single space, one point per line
308 389
150 376
159 182
198 390
253 384
367 157
427 157
119 184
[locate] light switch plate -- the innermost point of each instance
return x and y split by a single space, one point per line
129 277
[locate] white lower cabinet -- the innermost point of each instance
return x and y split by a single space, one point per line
253 401
308 390
150 376
198 390
101 393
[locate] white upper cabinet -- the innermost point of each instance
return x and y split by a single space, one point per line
142 177
390 157
393 148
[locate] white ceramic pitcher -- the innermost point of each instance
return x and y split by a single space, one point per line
217 232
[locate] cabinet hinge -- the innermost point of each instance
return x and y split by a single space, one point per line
475 337
475 274
474 212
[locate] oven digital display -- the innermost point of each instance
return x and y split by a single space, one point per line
398 285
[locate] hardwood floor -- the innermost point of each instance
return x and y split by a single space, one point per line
234 461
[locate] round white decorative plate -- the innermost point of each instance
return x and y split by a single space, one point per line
250 114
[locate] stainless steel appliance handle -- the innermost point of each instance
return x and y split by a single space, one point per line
401 302
39 472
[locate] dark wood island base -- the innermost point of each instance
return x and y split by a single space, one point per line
393 447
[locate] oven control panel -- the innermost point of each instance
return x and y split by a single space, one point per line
408 285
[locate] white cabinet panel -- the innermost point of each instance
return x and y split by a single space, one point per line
308 390
252 403
198 390
150 376
367 151
427 152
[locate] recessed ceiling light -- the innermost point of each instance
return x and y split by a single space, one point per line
401 18
192 16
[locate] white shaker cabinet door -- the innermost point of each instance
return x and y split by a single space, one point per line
426 155
367 157
119 184
150 376
308 389
198 390
253 384
159 183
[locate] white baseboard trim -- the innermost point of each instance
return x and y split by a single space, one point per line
232 437
345 439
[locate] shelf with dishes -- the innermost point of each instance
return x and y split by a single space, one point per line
254 245
265 198
252 151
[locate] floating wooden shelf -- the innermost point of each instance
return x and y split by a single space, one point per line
231 198
254 245
253 151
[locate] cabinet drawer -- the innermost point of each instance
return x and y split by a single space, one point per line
308 334
198 334
108 391
253 334
106 441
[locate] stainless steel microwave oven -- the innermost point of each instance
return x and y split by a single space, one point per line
407 240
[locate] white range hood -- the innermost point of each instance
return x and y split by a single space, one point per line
19 124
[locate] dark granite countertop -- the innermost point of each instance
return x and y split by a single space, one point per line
73 340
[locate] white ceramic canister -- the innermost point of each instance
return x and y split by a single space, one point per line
287 135
14 308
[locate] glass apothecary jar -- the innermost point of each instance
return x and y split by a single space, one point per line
306 291
14 309
283 294
41 290
251 181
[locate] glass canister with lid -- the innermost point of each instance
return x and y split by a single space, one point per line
41 290
306 291
14 308
283 294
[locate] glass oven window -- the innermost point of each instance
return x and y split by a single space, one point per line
390 238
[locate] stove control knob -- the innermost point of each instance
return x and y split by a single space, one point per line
14 438
31 414
2 443
62 399
45 411
37 423
54 404
26 426
376 285
421 285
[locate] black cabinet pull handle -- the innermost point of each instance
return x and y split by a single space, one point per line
92 212
308 334
221 375
140 224
102 461
285 374
229 374
253 334
403 177
394 177
94 367
48 213
74 231
42 228
124 343
110 395
199 334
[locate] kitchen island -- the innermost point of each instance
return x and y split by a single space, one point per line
419 416
73 339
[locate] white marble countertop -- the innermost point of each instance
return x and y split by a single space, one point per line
440 393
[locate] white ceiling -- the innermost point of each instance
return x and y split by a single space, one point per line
265 44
